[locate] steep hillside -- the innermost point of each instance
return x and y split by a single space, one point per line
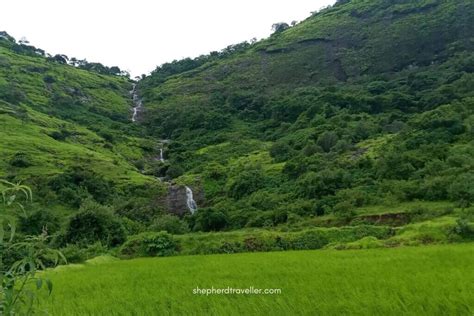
66 131
364 104
351 129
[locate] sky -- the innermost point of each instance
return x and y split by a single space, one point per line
138 35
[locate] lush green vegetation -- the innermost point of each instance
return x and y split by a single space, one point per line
365 105
20 262
66 133
373 232
434 280
351 129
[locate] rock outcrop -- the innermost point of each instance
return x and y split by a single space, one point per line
176 199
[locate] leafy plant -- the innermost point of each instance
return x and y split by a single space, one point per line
94 222
169 223
19 281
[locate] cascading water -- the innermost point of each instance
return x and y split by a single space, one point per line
162 159
134 115
192 206
137 103
137 107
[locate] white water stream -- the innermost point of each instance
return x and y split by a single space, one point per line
192 206
137 103
137 107
161 158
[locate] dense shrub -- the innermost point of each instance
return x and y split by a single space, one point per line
150 245
39 221
49 79
11 93
465 224
326 182
132 227
209 219
174 171
344 210
327 141
308 240
274 241
60 135
462 190
280 151
246 182
77 254
20 160
464 228
169 223
78 183
136 208
93 223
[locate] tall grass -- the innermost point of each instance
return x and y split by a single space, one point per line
435 280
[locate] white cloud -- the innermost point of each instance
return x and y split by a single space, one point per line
138 35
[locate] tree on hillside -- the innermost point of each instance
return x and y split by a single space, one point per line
327 140
61 59
462 190
24 41
279 27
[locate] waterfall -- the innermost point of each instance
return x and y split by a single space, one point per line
161 156
137 107
134 116
162 159
192 206
137 103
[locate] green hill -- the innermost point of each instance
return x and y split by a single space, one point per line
59 120
359 116
351 130
364 103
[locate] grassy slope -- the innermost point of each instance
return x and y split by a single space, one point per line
50 156
435 280
97 104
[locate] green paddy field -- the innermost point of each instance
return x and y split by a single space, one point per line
431 280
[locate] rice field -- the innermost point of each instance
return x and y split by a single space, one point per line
432 280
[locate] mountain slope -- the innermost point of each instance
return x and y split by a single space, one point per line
360 115
338 44
57 119
364 103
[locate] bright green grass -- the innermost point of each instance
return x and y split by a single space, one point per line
405 207
103 105
50 156
436 280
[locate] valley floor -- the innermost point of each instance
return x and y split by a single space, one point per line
429 280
